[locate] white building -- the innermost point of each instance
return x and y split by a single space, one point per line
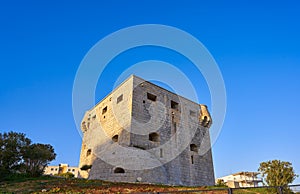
60 169
241 179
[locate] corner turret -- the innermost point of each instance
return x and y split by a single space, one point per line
204 118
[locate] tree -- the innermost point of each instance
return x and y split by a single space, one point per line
277 173
17 154
36 157
12 145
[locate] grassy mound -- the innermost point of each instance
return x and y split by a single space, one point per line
48 184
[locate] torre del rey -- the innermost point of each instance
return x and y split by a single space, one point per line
142 132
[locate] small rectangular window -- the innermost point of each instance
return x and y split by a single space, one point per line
192 113
174 127
120 98
89 151
104 110
174 105
161 153
94 117
151 97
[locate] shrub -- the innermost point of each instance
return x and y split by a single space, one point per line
221 183
66 175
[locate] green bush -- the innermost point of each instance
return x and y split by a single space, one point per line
15 177
221 183
66 175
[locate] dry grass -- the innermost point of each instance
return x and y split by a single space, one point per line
61 185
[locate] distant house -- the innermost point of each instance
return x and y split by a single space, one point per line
60 169
242 179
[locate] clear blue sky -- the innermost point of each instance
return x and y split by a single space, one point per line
255 43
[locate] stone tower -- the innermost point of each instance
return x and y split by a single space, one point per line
144 133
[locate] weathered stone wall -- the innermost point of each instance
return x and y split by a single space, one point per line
163 128
109 118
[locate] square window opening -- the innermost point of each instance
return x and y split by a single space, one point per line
151 97
154 137
174 105
120 98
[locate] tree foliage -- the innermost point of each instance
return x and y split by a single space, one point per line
37 157
11 146
17 154
277 173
